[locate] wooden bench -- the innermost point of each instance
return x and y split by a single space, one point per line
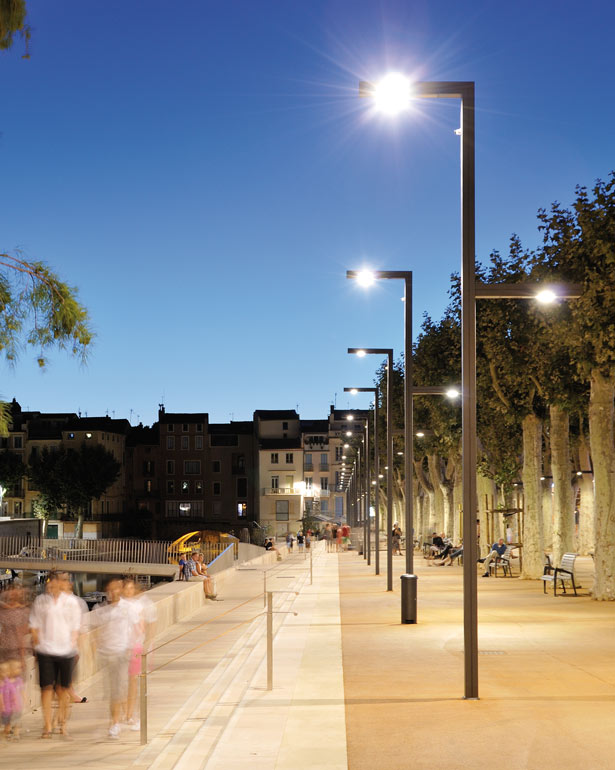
565 572
503 562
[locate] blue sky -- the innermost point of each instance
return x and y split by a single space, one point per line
204 172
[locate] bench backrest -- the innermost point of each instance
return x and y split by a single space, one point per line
568 560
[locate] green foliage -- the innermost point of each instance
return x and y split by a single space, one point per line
38 310
71 478
579 246
12 469
13 21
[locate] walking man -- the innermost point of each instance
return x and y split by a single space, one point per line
56 621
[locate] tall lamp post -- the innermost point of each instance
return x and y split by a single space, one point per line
392 95
354 391
388 352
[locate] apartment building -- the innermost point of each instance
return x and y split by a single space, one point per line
280 471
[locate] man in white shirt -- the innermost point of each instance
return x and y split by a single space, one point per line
119 627
56 621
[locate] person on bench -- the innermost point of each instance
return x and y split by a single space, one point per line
437 545
447 556
497 549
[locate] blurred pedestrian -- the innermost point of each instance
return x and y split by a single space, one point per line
11 698
118 627
14 614
143 642
56 621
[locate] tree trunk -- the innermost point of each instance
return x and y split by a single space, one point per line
563 513
486 489
79 524
533 546
547 515
603 456
587 503
441 483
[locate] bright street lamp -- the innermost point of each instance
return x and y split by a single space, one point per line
375 483
388 352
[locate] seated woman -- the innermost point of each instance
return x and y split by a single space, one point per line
201 569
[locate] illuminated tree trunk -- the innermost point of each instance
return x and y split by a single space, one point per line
533 544
563 508
602 445
587 503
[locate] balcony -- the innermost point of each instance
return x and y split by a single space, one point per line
308 466
324 467
280 491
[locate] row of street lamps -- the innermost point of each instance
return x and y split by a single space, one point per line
393 95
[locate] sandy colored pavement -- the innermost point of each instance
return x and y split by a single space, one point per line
546 668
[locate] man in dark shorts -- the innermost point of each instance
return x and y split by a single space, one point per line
55 623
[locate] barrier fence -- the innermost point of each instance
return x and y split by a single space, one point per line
112 550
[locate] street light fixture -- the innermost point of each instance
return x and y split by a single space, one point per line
388 352
397 98
377 489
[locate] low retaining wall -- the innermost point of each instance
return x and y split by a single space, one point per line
174 601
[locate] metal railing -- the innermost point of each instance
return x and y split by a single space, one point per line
72 549
280 491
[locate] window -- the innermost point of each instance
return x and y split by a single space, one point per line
324 460
70 435
242 510
148 485
170 486
170 428
199 427
281 510
239 464
192 467
171 466
88 435
284 426
339 506
148 468
339 451
198 487
185 442
217 488
17 442
198 442
216 508
185 487
289 458
274 458
170 442
337 478
215 466
275 482
242 487
185 427
307 459
324 507
308 483
324 482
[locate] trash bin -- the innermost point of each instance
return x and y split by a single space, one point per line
408 598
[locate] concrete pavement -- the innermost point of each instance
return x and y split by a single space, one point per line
354 688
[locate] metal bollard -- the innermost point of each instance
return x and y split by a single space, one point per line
143 698
269 640
310 566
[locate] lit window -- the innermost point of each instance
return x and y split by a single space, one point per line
198 487
88 435
70 435
185 487
242 510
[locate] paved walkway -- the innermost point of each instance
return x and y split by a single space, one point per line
547 681
546 668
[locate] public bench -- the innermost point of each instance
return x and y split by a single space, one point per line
563 573
503 561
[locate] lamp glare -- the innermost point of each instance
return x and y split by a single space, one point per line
361 353
392 94
546 296
452 393
365 278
